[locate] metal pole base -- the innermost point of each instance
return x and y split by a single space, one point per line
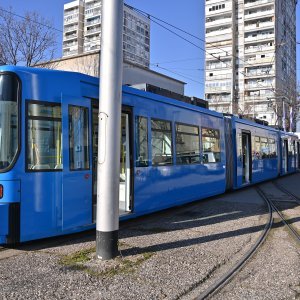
107 244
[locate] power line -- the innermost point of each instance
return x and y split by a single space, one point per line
151 17
180 74
178 60
25 18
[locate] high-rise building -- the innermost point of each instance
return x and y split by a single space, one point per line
82 31
251 58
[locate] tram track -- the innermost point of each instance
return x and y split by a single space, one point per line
275 208
232 272
272 208
284 190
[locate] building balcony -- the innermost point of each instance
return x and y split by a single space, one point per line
217 89
258 3
255 98
258 86
218 77
260 74
93 22
219 22
219 32
259 38
221 12
259 14
91 47
70 28
259 61
71 12
218 56
67 52
259 26
71 19
218 38
92 12
213 104
259 49
92 3
68 37
71 46
92 31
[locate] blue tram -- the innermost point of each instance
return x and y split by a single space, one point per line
171 153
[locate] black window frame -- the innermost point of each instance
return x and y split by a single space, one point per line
28 102
88 139
219 139
137 145
191 134
19 105
172 141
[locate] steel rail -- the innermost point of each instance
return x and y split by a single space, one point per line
274 207
283 189
224 279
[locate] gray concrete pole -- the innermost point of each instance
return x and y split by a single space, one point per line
108 174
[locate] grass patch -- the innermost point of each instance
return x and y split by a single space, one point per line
81 256
119 265
127 266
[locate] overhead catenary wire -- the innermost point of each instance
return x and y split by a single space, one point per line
151 17
34 21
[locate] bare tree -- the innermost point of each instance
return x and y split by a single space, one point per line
9 42
26 41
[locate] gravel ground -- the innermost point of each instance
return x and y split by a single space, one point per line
163 256
273 273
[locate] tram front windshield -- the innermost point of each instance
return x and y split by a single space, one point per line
9 91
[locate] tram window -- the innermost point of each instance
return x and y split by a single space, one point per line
187 144
291 148
44 137
264 148
142 142
256 148
272 148
211 145
161 142
79 138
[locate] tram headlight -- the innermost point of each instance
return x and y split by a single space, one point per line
1 191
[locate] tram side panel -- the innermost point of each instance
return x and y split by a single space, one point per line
288 161
183 159
256 154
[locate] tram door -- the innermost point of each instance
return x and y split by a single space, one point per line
298 155
285 156
77 174
125 185
246 157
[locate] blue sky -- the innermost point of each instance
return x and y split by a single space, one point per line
169 54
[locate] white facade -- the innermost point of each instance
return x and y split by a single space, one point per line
73 28
82 31
251 57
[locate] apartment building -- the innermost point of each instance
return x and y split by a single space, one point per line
82 31
251 58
